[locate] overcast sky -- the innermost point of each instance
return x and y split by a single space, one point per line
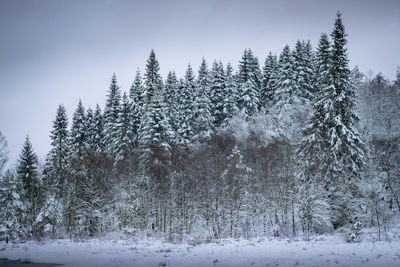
57 52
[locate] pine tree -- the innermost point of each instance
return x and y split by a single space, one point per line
78 135
231 95
155 128
303 70
269 81
3 152
58 156
186 108
249 70
126 137
346 147
136 92
332 146
286 92
217 92
12 208
249 100
98 130
111 112
28 174
171 99
315 143
153 81
90 130
137 102
203 119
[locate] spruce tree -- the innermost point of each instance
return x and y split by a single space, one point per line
269 81
332 146
249 100
78 135
346 147
203 120
155 128
217 92
315 143
111 112
137 102
186 108
231 95
152 80
3 152
90 130
171 99
136 92
12 208
78 151
98 131
28 175
249 70
286 90
58 156
126 136
302 63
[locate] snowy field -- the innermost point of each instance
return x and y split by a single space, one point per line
322 251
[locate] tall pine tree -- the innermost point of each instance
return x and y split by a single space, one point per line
28 174
269 81
203 119
152 79
111 111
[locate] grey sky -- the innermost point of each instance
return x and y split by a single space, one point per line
55 52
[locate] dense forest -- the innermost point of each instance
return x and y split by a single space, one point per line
303 144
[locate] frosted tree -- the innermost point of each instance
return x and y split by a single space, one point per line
396 84
235 178
136 92
346 155
249 100
217 92
111 112
78 134
78 149
3 152
231 95
249 70
171 99
90 130
203 119
12 208
98 131
28 174
155 127
315 144
126 136
269 81
378 103
156 135
152 79
56 169
186 108
286 85
303 67
137 102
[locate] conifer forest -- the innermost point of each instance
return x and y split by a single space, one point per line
293 145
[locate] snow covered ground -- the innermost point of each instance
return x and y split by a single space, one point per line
323 251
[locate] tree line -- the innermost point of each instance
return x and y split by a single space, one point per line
301 145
